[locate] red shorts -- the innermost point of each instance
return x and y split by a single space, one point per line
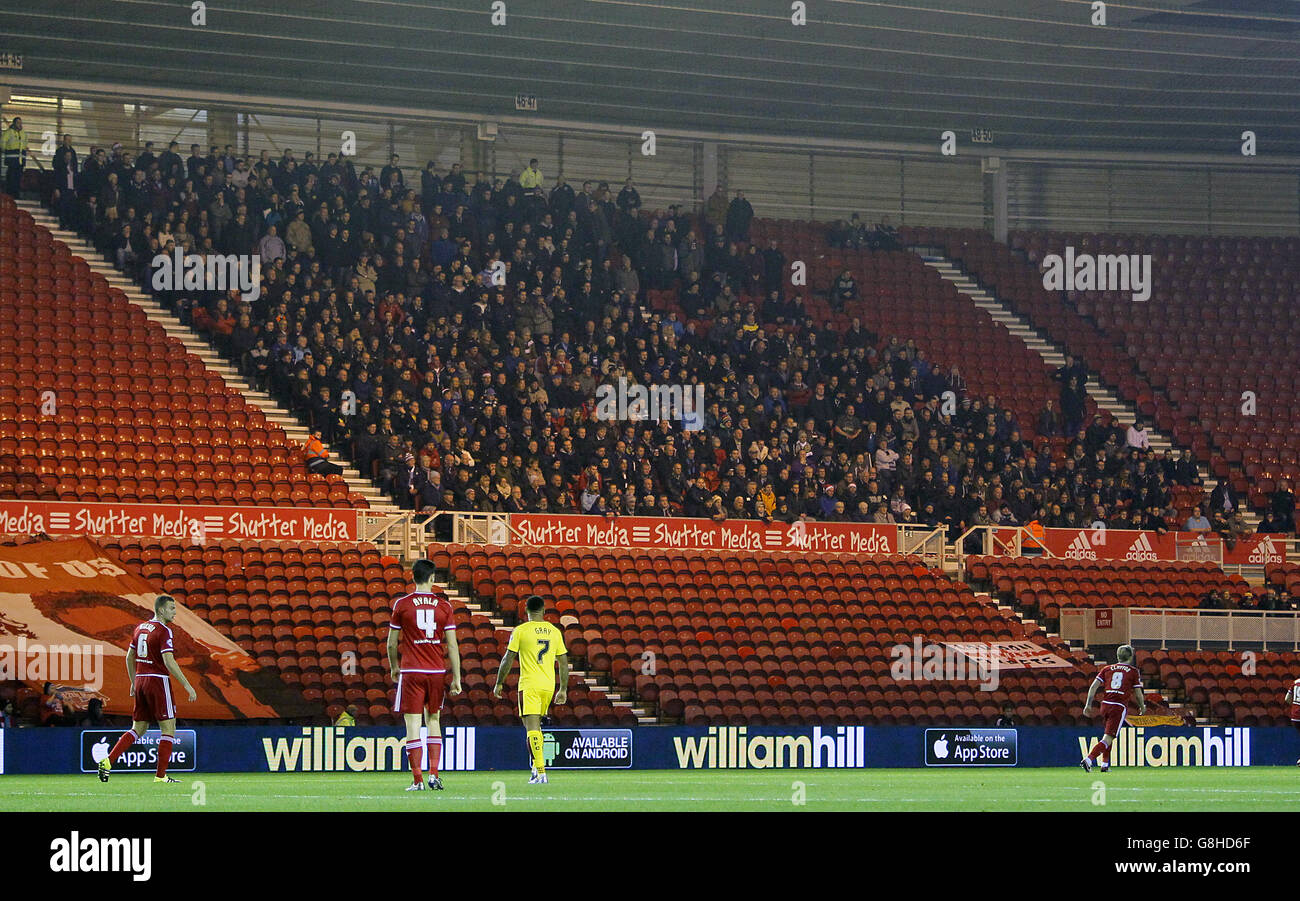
153 700
1115 715
418 692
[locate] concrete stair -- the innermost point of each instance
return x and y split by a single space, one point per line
270 407
1053 355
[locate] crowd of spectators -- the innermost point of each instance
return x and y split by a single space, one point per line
854 234
1267 601
447 332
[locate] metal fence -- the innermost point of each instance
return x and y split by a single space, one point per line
1177 628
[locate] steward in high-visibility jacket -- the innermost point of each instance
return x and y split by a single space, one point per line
315 449
13 155
1039 535
317 457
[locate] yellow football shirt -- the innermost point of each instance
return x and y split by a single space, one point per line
537 644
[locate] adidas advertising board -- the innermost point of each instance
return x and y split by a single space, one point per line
1080 548
1141 549
1265 552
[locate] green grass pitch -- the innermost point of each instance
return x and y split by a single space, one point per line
1043 789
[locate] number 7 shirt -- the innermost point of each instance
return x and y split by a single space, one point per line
424 619
538 644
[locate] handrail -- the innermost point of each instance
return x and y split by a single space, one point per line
992 542
929 544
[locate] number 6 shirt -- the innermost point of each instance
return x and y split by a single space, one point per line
423 618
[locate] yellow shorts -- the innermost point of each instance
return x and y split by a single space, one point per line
534 702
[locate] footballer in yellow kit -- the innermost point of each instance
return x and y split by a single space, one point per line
539 646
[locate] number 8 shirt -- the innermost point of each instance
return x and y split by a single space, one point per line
1118 681
423 619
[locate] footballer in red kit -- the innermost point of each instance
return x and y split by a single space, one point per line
421 643
150 665
1116 681
1293 698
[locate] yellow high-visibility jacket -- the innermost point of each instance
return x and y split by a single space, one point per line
12 140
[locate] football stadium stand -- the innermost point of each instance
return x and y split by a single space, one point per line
448 341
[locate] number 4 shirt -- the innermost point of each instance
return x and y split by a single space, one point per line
537 643
424 619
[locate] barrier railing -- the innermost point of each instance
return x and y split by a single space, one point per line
480 528
1002 541
1267 630
931 545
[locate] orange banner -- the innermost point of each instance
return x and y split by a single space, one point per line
67 612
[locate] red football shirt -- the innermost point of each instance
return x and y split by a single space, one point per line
1295 700
424 619
150 640
1118 681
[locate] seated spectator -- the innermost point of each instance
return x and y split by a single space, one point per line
839 234
1007 720
271 247
1281 505
1223 499
94 717
422 345
348 717
1138 438
1272 524
1197 521
1049 420
1154 521
317 456
884 236
53 710
844 290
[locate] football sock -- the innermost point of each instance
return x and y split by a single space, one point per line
434 747
535 744
1105 755
128 738
1097 749
415 754
164 754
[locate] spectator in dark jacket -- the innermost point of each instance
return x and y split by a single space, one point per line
739 216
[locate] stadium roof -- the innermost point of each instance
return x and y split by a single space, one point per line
1161 76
